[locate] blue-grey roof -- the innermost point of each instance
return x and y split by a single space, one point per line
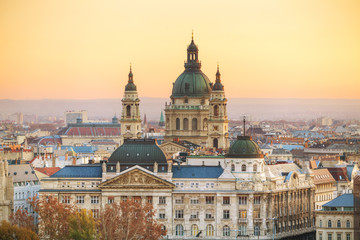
197 171
92 171
289 147
288 177
80 149
345 200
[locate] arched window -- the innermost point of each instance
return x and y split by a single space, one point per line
128 112
186 124
233 167
209 230
179 230
348 224
215 143
254 168
178 124
194 124
338 225
226 231
243 168
194 230
257 230
329 224
216 110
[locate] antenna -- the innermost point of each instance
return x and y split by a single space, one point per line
244 121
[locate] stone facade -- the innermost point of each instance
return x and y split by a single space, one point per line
6 191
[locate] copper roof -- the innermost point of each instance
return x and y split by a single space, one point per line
323 176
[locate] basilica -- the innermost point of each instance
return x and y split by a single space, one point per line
197 110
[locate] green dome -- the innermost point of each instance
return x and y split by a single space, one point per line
244 147
192 83
130 87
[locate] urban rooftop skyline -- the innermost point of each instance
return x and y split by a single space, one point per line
265 49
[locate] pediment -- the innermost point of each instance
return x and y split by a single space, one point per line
136 178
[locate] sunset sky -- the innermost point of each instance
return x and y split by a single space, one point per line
265 48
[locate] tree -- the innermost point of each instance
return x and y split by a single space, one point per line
53 217
22 218
129 220
12 232
82 226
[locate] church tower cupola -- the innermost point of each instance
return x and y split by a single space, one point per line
192 56
218 85
130 86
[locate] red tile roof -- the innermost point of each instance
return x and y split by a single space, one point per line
48 170
340 174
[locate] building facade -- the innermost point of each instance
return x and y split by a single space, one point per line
197 112
6 191
245 199
336 219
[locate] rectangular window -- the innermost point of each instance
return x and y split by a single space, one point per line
226 214
242 230
65 199
80 199
111 200
149 199
338 236
179 213
329 236
256 214
243 200
226 200
179 200
94 199
209 185
124 198
348 236
194 185
137 199
78 184
194 215
257 200
162 200
162 214
320 236
242 214
83 184
95 212
194 201
179 185
209 215
209 199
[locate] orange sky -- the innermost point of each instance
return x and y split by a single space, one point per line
266 49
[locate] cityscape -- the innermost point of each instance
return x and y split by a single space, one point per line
117 129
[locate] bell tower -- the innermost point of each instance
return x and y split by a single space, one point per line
218 135
130 118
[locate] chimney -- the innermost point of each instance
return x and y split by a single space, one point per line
117 168
73 161
155 167
169 167
66 156
53 161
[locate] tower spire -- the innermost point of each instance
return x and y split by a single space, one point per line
130 75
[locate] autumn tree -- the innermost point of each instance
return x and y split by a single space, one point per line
82 226
129 220
53 217
22 218
14 232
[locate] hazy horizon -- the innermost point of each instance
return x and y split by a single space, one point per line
258 108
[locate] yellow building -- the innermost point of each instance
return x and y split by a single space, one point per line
324 187
336 219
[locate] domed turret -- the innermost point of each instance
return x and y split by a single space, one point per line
218 85
130 86
244 147
192 82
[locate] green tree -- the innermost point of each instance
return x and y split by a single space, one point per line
82 226
13 232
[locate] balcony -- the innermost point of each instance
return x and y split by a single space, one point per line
242 220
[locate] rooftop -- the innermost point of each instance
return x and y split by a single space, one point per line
197 171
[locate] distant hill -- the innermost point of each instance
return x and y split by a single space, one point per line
270 109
